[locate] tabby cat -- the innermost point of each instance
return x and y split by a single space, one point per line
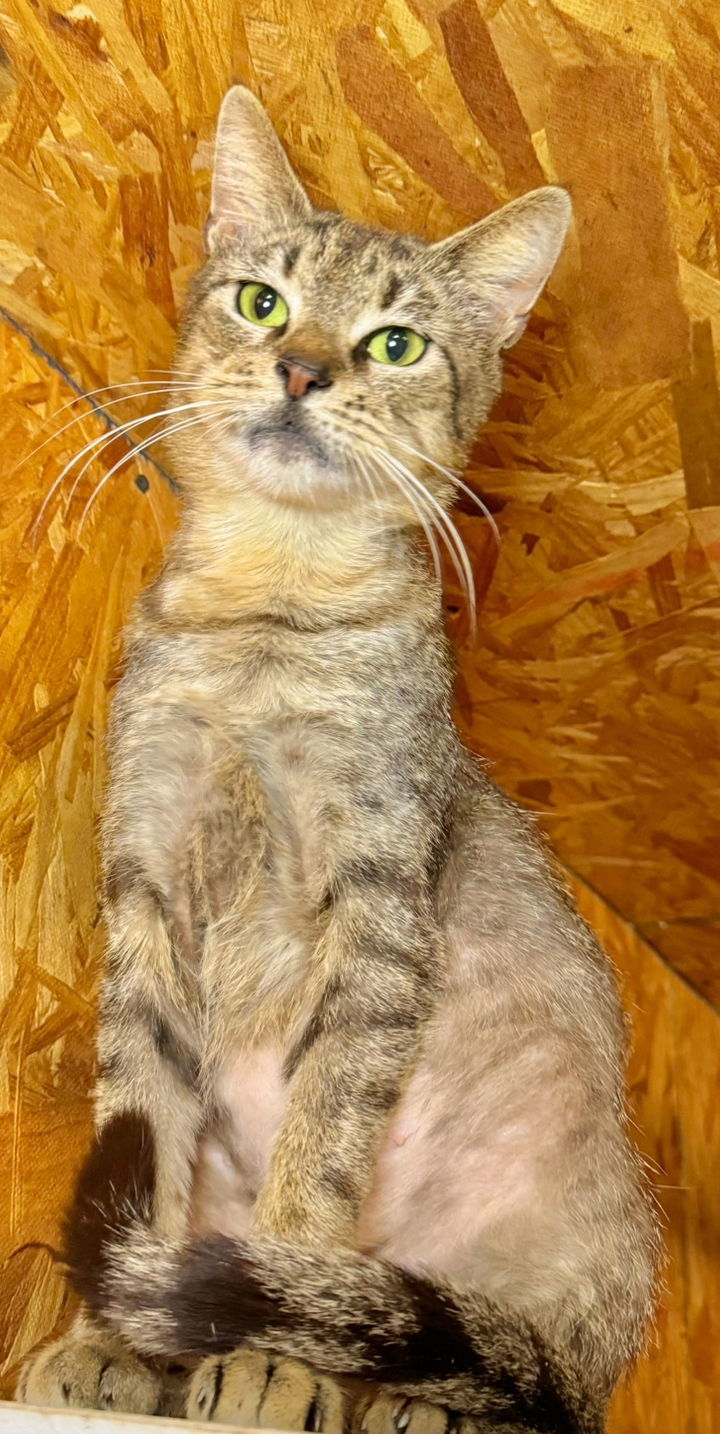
360 1157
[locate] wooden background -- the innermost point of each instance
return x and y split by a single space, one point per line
594 685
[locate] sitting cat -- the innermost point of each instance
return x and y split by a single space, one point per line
360 1152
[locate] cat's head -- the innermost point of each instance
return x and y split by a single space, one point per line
332 357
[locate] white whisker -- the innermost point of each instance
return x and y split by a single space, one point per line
443 523
455 546
104 439
429 524
422 518
385 437
138 448
95 411
124 428
174 373
454 479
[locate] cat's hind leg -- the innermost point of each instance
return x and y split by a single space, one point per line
256 1391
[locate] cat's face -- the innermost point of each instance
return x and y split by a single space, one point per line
338 363
341 354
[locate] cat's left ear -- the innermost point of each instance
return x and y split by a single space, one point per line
507 258
254 187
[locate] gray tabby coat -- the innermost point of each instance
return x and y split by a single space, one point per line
361 1155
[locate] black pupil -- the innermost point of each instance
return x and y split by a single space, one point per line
396 344
265 302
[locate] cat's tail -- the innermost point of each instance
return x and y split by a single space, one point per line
344 1314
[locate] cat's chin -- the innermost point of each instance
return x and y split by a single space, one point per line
290 471
287 437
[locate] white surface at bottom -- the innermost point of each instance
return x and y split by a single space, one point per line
25 1419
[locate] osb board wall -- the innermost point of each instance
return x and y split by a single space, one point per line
62 607
595 685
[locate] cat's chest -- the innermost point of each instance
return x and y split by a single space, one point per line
291 718
264 678
285 743
266 839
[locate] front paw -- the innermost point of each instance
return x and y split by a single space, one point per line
246 1388
383 1413
82 1373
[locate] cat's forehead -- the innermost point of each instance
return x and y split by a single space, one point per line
351 262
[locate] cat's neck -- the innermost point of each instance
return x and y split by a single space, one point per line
233 560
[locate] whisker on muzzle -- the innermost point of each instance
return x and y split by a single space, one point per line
140 448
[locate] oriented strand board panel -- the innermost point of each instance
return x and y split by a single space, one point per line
63 603
595 684
674 1077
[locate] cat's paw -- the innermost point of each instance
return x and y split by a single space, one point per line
90 1373
254 1390
385 1413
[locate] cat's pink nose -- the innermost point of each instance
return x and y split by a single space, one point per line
300 375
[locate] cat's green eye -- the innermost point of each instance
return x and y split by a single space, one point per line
397 346
260 304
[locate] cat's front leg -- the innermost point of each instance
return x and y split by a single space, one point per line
139 1166
377 965
90 1368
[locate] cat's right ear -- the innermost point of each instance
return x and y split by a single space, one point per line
253 186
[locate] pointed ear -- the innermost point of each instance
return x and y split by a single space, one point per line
508 257
253 185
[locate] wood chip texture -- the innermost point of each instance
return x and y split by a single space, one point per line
593 684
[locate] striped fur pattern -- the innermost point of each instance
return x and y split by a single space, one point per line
348 1315
360 1094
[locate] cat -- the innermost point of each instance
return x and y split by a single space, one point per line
360 1155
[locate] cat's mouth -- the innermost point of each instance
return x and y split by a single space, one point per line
287 430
